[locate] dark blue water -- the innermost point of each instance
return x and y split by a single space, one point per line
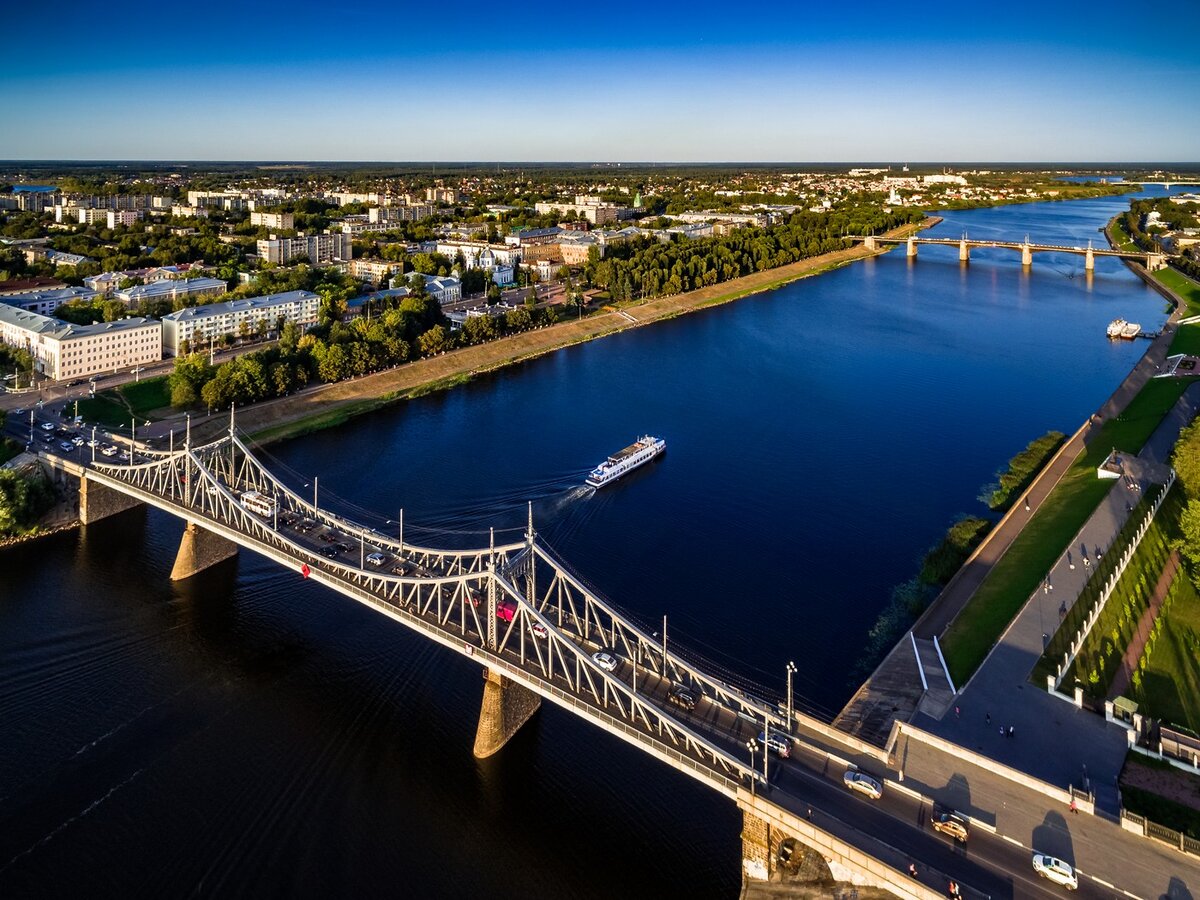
249 734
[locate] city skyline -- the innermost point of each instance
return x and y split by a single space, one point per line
1073 84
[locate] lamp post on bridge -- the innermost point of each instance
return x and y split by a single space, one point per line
791 668
752 746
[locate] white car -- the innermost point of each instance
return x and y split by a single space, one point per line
47 426
777 743
539 630
109 450
605 661
93 443
864 784
376 559
1055 870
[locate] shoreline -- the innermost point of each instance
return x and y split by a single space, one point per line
330 405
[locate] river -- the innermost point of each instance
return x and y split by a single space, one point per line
249 734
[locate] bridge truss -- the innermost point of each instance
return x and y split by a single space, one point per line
515 607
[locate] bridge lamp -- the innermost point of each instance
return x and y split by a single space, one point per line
791 668
752 746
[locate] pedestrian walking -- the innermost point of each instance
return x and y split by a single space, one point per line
1010 731
987 717
1026 504
954 892
1074 808
912 869
1002 732
957 712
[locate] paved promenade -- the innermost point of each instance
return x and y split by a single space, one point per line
886 688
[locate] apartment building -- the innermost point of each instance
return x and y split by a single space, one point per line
125 217
89 216
61 350
374 270
408 212
177 289
321 249
197 324
44 303
284 221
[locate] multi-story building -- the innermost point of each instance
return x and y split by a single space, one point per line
480 254
124 217
62 350
441 195
173 290
408 212
321 249
596 213
197 324
15 286
375 270
284 221
442 288
44 303
189 212
89 216
232 200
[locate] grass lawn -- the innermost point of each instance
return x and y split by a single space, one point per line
1019 572
1184 287
1124 241
105 409
145 396
1169 687
1100 656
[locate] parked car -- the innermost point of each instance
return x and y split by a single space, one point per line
864 784
682 697
952 824
1055 870
777 743
605 661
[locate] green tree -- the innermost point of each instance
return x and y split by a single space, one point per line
1189 526
435 340
1186 459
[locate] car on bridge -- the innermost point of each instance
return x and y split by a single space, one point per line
539 630
950 823
777 743
682 697
864 784
1055 870
605 661
376 559
66 446
47 426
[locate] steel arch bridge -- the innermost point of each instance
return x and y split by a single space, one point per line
514 607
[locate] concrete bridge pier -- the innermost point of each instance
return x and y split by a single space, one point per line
98 502
911 250
507 706
198 550
1026 255
964 252
1089 261
1155 261
870 243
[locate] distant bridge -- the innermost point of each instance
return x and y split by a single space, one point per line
1026 248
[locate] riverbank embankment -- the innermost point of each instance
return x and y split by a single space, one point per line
895 689
330 405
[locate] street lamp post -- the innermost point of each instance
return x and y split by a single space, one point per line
791 668
752 745
93 443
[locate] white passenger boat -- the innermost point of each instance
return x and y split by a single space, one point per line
1115 327
639 452
1131 330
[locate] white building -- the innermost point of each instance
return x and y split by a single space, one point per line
178 289
124 217
44 303
409 212
88 216
197 324
442 288
321 249
480 255
596 213
284 221
62 350
189 212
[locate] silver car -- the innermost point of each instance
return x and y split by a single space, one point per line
1055 870
864 784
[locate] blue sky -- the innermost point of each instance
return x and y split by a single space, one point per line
672 81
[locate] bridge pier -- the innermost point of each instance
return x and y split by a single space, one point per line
1026 255
507 706
964 252
870 243
198 550
97 501
911 250
1089 261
